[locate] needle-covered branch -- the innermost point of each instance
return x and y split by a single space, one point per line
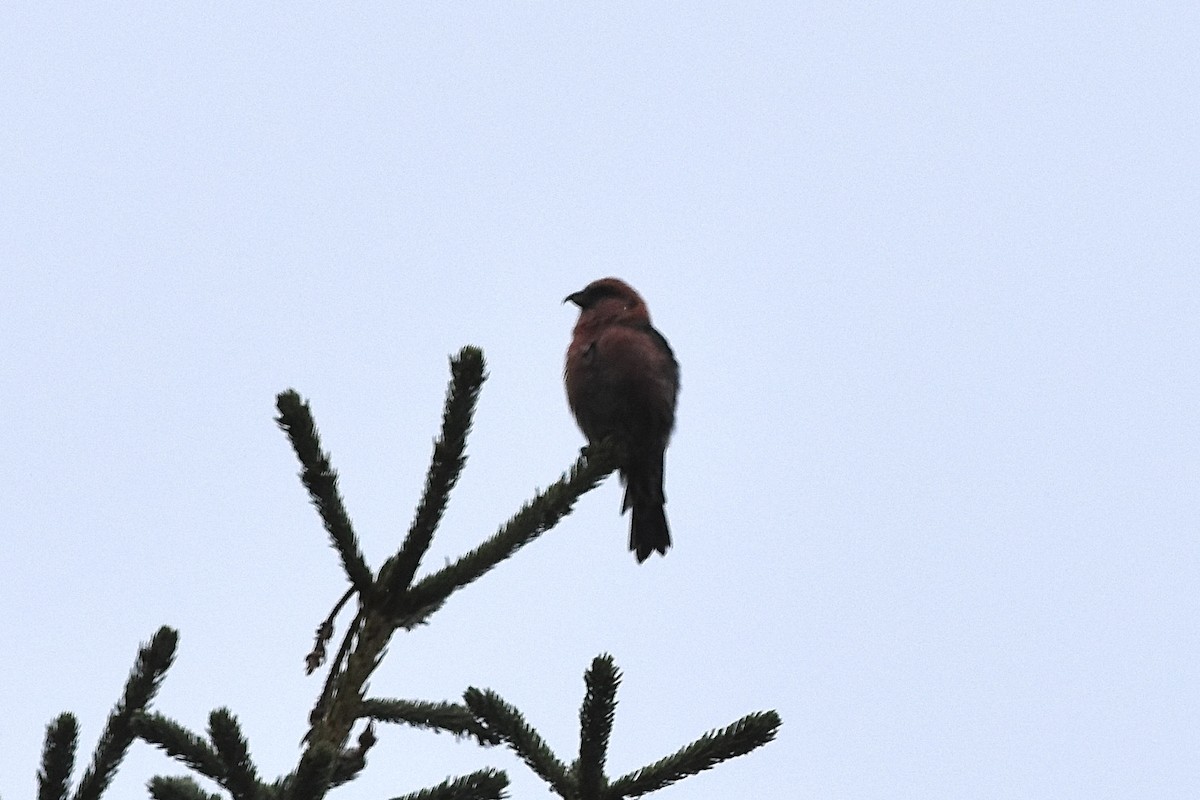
486 784
437 717
240 776
180 743
385 605
467 374
177 788
586 779
536 517
392 602
349 763
508 724
595 725
314 774
321 480
58 758
153 659
748 733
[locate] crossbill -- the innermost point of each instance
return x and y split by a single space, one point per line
622 381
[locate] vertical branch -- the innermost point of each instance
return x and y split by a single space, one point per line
333 726
595 725
321 480
312 778
466 379
58 758
240 777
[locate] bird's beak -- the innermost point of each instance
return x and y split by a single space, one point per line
574 297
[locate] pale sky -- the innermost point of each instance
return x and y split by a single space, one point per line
930 271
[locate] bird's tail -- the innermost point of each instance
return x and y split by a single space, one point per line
648 531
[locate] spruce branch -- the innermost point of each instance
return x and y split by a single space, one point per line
486 784
321 707
338 708
467 374
450 717
585 780
386 604
316 657
748 733
382 611
58 758
595 725
534 518
314 774
179 743
153 659
321 480
177 788
353 761
508 724
239 777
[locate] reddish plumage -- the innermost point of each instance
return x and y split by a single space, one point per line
622 381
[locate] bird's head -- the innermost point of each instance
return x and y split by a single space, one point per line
610 299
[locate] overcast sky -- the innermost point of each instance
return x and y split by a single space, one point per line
931 272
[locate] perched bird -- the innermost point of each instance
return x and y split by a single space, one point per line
623 381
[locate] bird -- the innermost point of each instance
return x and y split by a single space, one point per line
622 381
